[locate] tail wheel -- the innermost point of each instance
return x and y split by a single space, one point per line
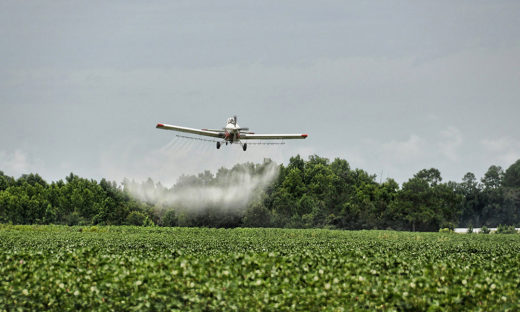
244 147
218 145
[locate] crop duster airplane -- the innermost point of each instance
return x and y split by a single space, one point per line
232 133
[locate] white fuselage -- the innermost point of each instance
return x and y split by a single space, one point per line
232 132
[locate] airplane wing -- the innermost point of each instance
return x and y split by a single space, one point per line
205 132
245 136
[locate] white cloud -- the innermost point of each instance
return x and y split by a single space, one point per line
404 151
18 162
401 159
505 150
450 143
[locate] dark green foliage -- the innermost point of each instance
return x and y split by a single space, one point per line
257 215
5 181
471 205
77 201
512 175
169 218
138 218
490 202
506 229
493 177
484 230
425 204
305 194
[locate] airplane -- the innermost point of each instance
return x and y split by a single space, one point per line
231 133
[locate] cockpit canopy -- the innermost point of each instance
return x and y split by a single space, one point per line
231 120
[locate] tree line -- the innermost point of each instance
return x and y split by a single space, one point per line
308 193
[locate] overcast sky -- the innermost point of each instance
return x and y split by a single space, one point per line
391 86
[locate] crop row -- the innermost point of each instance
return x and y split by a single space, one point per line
130 268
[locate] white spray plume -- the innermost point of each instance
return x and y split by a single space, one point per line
229 191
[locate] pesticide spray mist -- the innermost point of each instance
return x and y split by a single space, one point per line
207 199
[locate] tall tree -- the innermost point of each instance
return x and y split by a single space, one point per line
425 203
493 177
512 175
471 205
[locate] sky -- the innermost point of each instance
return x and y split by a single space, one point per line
393 87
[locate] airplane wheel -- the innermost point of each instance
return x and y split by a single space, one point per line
218 145
244 147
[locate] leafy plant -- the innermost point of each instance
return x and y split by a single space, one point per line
152 268
506 229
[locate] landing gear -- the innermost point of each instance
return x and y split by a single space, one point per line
244 147
218 145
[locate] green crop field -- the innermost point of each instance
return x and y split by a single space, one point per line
129 268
